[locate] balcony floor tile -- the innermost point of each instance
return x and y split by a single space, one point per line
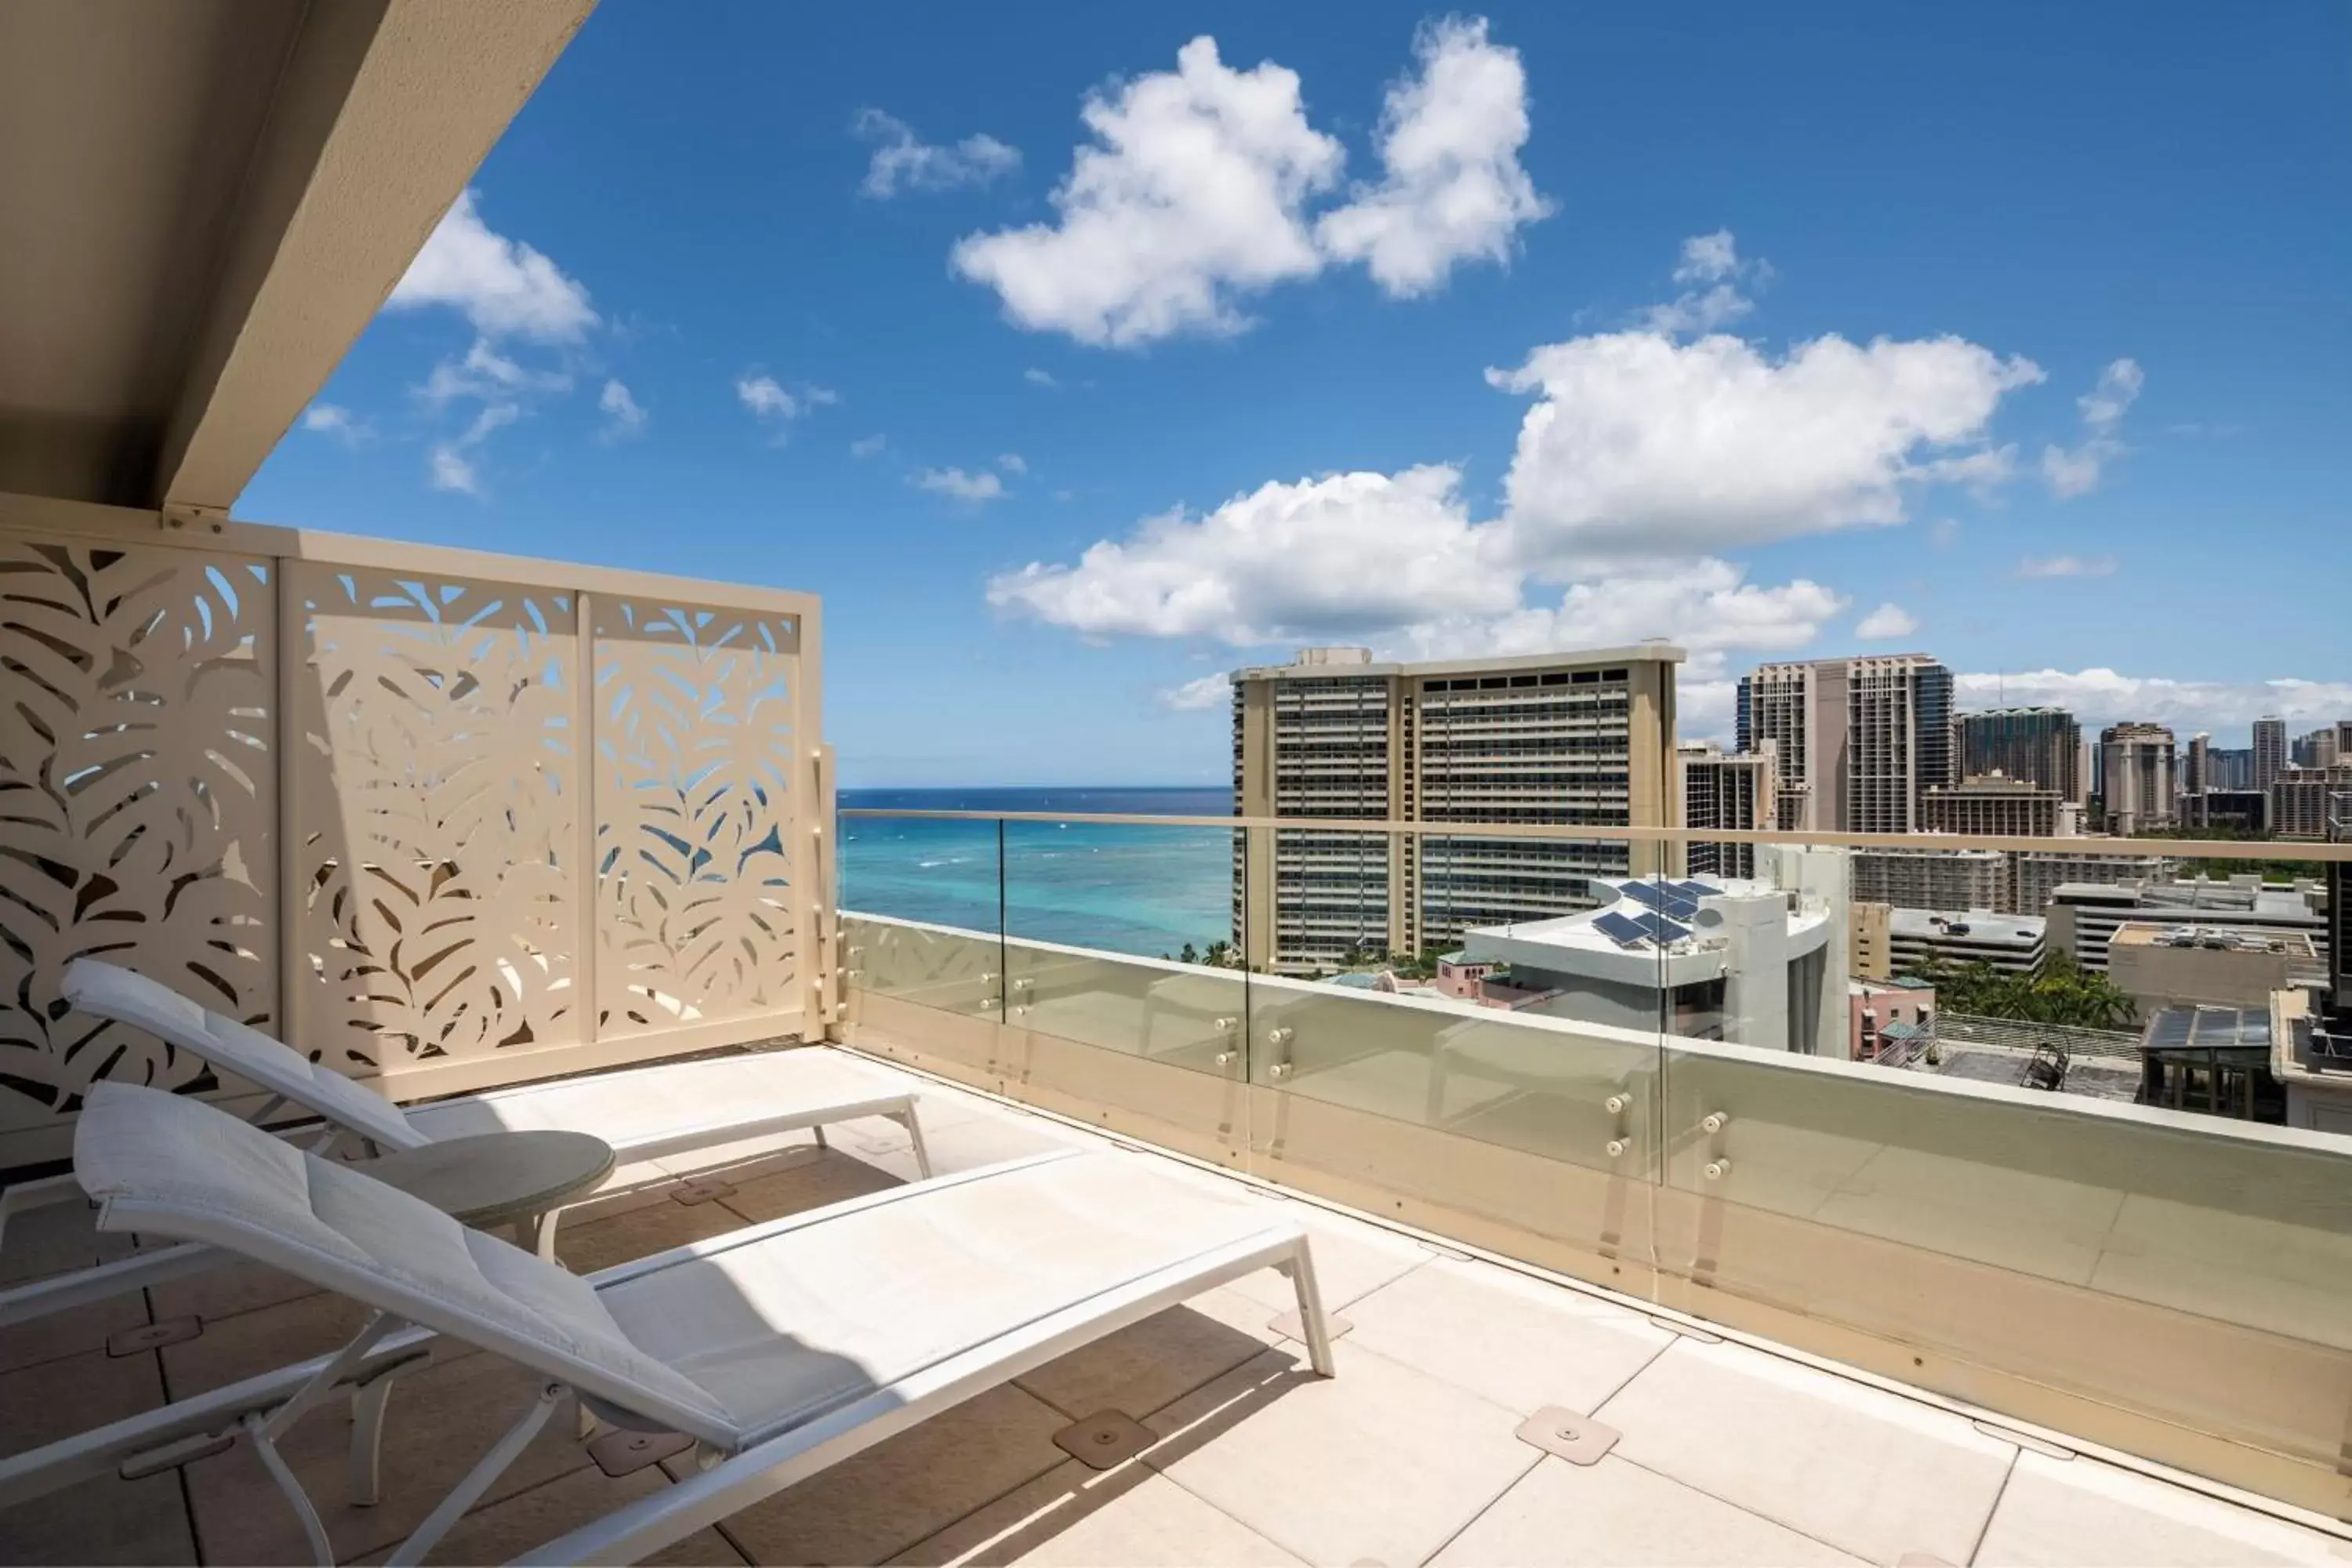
1517 1341
1151 1363
1869 1472
1566 1516
249 1343
2081 1513
1353 1259
441 1419
874 1505
1381 1462
499 1531
1074 1517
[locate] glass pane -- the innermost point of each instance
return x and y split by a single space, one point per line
2064 1239
1432 1066
1125 1002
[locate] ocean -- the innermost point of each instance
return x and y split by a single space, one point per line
1119 888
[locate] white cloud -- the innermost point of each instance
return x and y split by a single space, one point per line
497 416
1640 445
1705 606
902 160
1453 190
1036 377
2104 404
623 416
1188 200
1013 463
1885 622
1711 264
485 373
1708 258
502 285
868 446
2068 566
331 419
2101 696
1209 691
1944 533
2077 471
776 408
449 469
957 485
1344 552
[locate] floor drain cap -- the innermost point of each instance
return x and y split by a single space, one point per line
1104 1441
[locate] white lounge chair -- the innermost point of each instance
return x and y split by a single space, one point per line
660 1112
780 1349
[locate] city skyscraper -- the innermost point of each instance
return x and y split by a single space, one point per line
2196 765
1859 740
1722 790
2270 750
2136 773
2038 746
1557 739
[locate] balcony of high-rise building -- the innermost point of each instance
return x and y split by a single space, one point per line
474 1087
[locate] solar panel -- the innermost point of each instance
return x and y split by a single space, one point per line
1698 889
1659 928
1666 898
1620 929
1647 894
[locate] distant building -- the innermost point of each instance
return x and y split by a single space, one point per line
1931 878
2038 746
2196 765
2231 769
2036 875
1859 740
1716 959
1925 939
2300 800
1870 954
2213 965
2233 810
1559 739
1735 791
2317 749
2136 771
1993 806
2085 917
2269 749
1891 1022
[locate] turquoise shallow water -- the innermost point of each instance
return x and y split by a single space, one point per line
1119 888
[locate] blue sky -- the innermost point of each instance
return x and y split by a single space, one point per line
2013 333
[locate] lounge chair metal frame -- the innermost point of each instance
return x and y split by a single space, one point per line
740 1459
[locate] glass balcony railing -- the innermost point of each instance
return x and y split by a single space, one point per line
1943 1139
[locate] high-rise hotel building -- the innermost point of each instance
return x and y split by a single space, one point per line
1567 739
2038 746
1722 790
1859 741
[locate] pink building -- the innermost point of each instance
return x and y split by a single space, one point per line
1889 1021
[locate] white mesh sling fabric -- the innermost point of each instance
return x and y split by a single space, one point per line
110 991
167 1165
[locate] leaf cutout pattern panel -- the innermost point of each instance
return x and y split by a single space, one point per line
437 792
138 804
696 794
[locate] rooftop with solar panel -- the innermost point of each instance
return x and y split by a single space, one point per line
1720 948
